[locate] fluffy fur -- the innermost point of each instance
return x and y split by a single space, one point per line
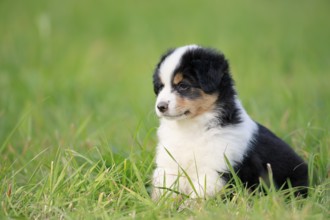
202 122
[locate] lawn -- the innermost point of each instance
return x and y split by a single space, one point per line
77 121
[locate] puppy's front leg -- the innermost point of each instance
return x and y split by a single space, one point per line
165 181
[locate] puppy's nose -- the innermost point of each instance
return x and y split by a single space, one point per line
162 107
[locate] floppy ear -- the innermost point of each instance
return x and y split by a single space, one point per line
209 73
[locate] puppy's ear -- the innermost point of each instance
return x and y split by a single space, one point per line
210 72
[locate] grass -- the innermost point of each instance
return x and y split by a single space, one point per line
77 127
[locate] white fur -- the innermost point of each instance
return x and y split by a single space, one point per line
188 145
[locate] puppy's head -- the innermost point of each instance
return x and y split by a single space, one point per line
187 82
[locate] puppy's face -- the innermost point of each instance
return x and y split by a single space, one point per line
186 83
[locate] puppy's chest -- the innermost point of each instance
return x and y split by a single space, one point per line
194 148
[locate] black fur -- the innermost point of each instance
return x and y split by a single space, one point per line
267 148
207 66
157 84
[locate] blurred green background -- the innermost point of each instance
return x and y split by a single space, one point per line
78 73
77 121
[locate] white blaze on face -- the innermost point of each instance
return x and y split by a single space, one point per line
166 71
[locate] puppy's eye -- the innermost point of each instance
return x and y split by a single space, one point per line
182 86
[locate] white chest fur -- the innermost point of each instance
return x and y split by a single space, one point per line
196 149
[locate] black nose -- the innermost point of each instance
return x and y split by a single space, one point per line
162 107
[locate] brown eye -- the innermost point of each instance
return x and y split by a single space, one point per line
182 86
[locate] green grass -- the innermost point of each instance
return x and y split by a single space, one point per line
77 127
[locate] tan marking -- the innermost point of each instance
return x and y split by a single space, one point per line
197 106
177 78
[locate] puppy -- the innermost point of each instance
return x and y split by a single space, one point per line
203 126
